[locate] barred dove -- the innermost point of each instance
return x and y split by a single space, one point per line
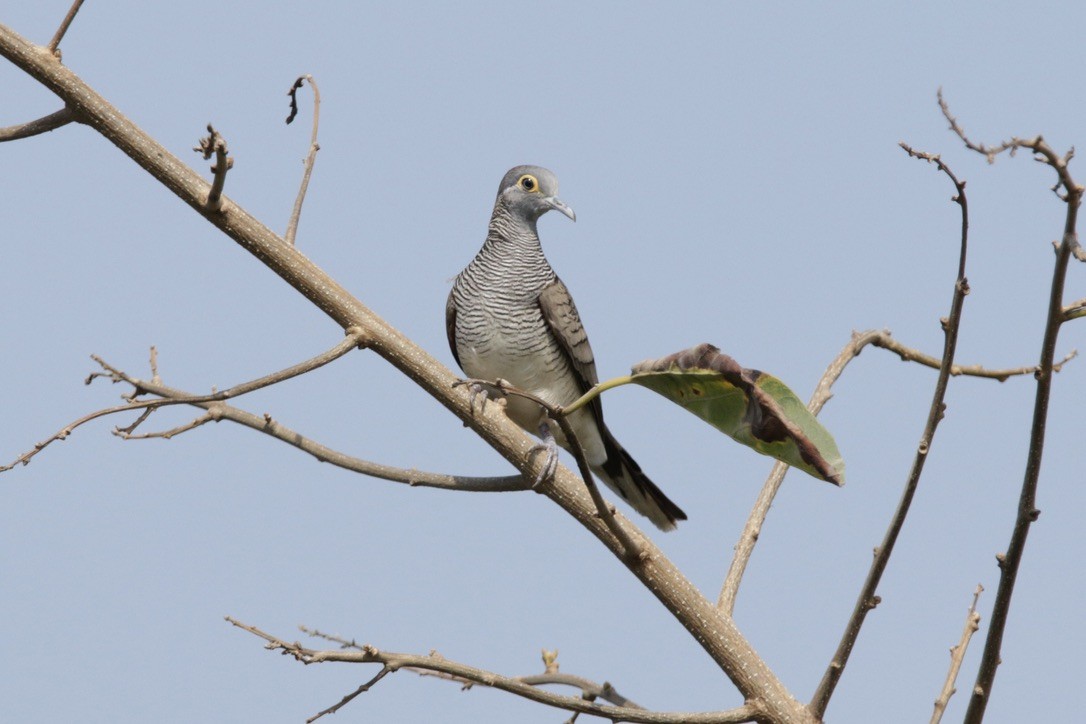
509 316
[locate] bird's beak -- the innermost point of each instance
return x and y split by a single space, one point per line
558 205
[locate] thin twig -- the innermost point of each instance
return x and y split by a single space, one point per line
215 144
385 671
38 126
64 24
867 600
514 685
957 655
632 550
128 433
334 638
1074 310
590 690
1027 511
908 354
311 157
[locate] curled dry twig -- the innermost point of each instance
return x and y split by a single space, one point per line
311 157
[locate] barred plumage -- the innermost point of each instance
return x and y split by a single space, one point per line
509 316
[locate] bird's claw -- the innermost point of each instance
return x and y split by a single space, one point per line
550 447
476 389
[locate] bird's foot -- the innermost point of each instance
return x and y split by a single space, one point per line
550 447
476 389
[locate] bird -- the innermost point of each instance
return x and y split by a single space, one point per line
509 317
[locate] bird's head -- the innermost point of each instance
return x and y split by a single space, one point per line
531 191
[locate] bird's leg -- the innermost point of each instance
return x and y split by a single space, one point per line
550 446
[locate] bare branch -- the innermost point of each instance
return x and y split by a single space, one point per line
38 126
128 433
214 143
513 685
64 25
311 157
1074 310
907 354
385 671
744 548
334 638
957 655
590 690
1042 152
1027 512
867 600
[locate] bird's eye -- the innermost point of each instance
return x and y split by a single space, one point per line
528 182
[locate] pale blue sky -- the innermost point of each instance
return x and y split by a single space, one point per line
737 180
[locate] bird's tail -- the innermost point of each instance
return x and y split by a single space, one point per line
622 474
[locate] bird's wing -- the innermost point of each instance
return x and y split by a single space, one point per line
450 327
562 319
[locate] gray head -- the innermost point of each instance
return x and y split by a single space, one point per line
528 192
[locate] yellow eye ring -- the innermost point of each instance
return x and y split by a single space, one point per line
528 182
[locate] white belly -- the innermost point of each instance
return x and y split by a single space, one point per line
554 382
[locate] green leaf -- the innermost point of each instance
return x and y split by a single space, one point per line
752 407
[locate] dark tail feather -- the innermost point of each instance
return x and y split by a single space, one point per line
622 474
